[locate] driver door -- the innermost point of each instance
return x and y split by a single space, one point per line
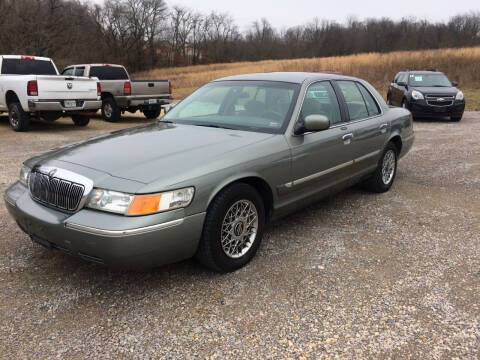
321 159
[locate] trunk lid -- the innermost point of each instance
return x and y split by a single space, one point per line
146 88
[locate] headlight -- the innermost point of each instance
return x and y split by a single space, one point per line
459 96
120 203
417 95
24 174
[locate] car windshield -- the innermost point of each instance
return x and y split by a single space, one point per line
429 80
263 106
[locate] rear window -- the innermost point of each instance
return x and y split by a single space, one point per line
27 67
109 72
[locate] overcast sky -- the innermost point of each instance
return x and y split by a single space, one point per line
284 13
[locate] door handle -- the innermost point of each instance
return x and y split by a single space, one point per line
383 128
347 138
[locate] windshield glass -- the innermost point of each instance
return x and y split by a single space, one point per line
263 106
426 80
28 67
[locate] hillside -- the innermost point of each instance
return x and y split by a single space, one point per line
462 65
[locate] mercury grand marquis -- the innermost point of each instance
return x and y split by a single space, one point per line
203 180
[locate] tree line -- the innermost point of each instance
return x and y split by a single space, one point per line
145 34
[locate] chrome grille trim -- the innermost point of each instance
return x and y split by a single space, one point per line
434 100
56 191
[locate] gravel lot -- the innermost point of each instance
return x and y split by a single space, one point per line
356 275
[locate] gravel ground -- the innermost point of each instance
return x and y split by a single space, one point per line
357 275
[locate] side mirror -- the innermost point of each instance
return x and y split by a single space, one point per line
454 83
316 123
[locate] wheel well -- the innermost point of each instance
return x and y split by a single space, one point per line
11 97
397 141
106 95
263 189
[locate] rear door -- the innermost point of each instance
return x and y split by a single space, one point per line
367 125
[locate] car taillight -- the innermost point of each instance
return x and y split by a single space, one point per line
32 88
127 88
170 87
27 57
99 89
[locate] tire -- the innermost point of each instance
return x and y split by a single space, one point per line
110 111
456 118
379 183
222 214
80 120
153 112
19 119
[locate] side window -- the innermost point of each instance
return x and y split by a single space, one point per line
321 99
79 71
403 78
68 71
395 80
354 100
372 105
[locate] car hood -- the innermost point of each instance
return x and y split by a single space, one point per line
150 152
448 91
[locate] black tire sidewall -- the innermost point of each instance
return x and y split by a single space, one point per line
23 118
115 110
80 120
211 236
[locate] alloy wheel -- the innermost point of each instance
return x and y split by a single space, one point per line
388 167
239 229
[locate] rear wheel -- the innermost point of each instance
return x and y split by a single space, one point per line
81 120
110 110
19 119
382 179
152 112
233 229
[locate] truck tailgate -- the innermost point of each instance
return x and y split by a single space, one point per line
150 88
63 87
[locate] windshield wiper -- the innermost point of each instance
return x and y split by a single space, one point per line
214 126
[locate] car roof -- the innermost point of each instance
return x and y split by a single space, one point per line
423 72
25 57
291 77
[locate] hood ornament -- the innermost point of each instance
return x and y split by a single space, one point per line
52 173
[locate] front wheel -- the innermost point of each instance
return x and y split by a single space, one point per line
382 179
233 229
152 112
456 118
80 120
19 119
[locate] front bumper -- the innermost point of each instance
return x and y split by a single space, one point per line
114 240
420 109
58 105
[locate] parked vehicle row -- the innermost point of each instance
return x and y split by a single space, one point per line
204 180
428 94
31 87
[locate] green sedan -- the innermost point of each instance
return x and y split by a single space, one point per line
203 180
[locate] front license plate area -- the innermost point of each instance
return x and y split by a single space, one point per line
70 103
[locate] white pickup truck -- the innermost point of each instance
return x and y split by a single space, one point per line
120 93
30 87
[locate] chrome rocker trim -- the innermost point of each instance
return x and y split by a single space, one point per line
127 232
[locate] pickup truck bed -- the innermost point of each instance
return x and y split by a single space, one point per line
120 93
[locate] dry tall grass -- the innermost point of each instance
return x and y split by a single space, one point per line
462 65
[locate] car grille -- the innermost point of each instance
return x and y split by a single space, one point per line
439 100
59 193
